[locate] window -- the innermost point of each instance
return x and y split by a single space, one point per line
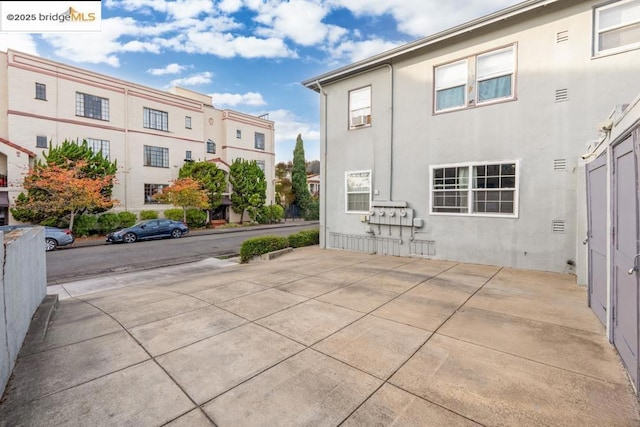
92 106
41 91
41 142
358 191
156 156
480 79
187 122
154 119
479 189
187 155
259 139
360 107
150 190
261 164
211 146
617 26
238 133
98 145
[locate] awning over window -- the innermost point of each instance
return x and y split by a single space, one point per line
226 201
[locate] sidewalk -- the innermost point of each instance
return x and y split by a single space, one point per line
322 337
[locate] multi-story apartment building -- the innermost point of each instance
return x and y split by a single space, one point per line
149 133
471 145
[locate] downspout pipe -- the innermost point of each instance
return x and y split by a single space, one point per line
391 126
323 177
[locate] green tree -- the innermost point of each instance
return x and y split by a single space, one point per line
302 197
284 191
249 186
69 155
212 180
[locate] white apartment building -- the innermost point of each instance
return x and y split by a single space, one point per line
149 133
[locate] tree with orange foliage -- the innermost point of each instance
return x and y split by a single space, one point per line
184 193
63 191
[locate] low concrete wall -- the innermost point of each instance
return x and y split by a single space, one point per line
23 285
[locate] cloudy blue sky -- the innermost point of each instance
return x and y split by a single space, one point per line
249 55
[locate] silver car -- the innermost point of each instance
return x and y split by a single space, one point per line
53 236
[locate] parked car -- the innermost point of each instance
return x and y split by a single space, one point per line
54 237
149 229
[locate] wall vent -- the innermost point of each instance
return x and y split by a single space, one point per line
562 95
559 226
560 165
562 36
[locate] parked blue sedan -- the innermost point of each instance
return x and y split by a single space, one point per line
149 229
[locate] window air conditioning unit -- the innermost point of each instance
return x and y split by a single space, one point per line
358 121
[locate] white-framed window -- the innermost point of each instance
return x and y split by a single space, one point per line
476 80
187 156
154 119
616 26
485 189
261 164
187 122
238 134
357 191
259 141
156 156
98 145
360 107
91 106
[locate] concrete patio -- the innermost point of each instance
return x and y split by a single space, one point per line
322 337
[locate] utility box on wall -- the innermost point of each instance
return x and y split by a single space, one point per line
391 213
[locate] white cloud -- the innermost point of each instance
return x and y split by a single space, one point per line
357 50
234 99
194 80
169 69
298 20
287 128
18 41
230 6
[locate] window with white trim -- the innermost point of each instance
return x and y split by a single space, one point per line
211 147
99 145
261 164
475 80
616 26
91 106
357 191
41 141
360 107
475 189
187 122
154 119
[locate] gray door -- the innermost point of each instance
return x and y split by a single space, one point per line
625 247
597 237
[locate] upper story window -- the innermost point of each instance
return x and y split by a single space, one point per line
156 156
98 145
41 91
259 141
476 80
41 141
360 107
617 26
238 133
187 156
211 146
187 122
475 189
92 106
261 164
154 119
358 191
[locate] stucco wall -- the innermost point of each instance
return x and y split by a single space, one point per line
23 282
534 129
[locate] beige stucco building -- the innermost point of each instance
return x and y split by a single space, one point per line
150 133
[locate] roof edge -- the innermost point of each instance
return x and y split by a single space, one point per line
385 57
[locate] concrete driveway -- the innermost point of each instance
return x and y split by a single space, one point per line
322 337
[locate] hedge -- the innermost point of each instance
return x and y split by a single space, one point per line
257 246
174 214
304 238
148 215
